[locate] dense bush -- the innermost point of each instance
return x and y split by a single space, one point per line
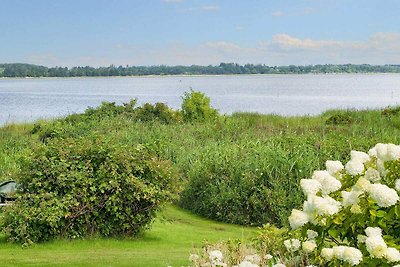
196 107
75 187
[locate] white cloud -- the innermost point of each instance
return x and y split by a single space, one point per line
278 14
209 8
280 49
172 1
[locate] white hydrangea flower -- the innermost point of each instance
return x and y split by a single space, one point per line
393 152
354 167
376 246
397 185
268 256
362 185
311 234
372 152
247 264
310 186
253 258
316 205
297 219
309 246
330 183
373 231
327 254
333 166
383 195
292 245
372 175
350 198
352 255
387 152
392 255
359 156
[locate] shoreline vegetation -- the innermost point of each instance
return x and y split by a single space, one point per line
252 161
22 70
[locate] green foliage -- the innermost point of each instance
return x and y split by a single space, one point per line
196 107
77 187
342 118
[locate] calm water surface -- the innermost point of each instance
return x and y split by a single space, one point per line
32 99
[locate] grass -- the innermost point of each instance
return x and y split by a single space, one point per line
173 236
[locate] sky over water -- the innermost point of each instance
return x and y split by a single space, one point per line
174 32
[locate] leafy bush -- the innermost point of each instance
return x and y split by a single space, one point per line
196 107
352 212
158 112
339 119
78 187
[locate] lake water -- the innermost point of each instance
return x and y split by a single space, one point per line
31 99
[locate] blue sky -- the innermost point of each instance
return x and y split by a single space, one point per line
174 32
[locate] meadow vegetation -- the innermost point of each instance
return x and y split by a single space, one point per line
243 168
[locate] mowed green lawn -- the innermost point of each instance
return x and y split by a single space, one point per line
173 236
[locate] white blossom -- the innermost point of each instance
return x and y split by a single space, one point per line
327 254
311 234
392 255
310 186
333 166
362 185
372 175
330 183
397 185
359 156
292 245
309 246
297 219
247 264
253 258
376 246
350 198
383 195
354 167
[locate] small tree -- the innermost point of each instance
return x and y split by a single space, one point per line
196 107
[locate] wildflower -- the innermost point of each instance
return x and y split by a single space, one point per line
333 167
383 195
297 219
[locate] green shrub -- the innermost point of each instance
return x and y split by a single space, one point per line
196 107
158 112
339 119
73 188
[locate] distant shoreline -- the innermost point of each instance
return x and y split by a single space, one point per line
198 75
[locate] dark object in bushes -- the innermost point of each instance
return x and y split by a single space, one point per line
339 119
87 186
7 190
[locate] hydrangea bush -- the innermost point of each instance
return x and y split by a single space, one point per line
352 214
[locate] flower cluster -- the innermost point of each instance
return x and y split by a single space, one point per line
344 202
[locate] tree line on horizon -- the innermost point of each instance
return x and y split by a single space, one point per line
30 70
